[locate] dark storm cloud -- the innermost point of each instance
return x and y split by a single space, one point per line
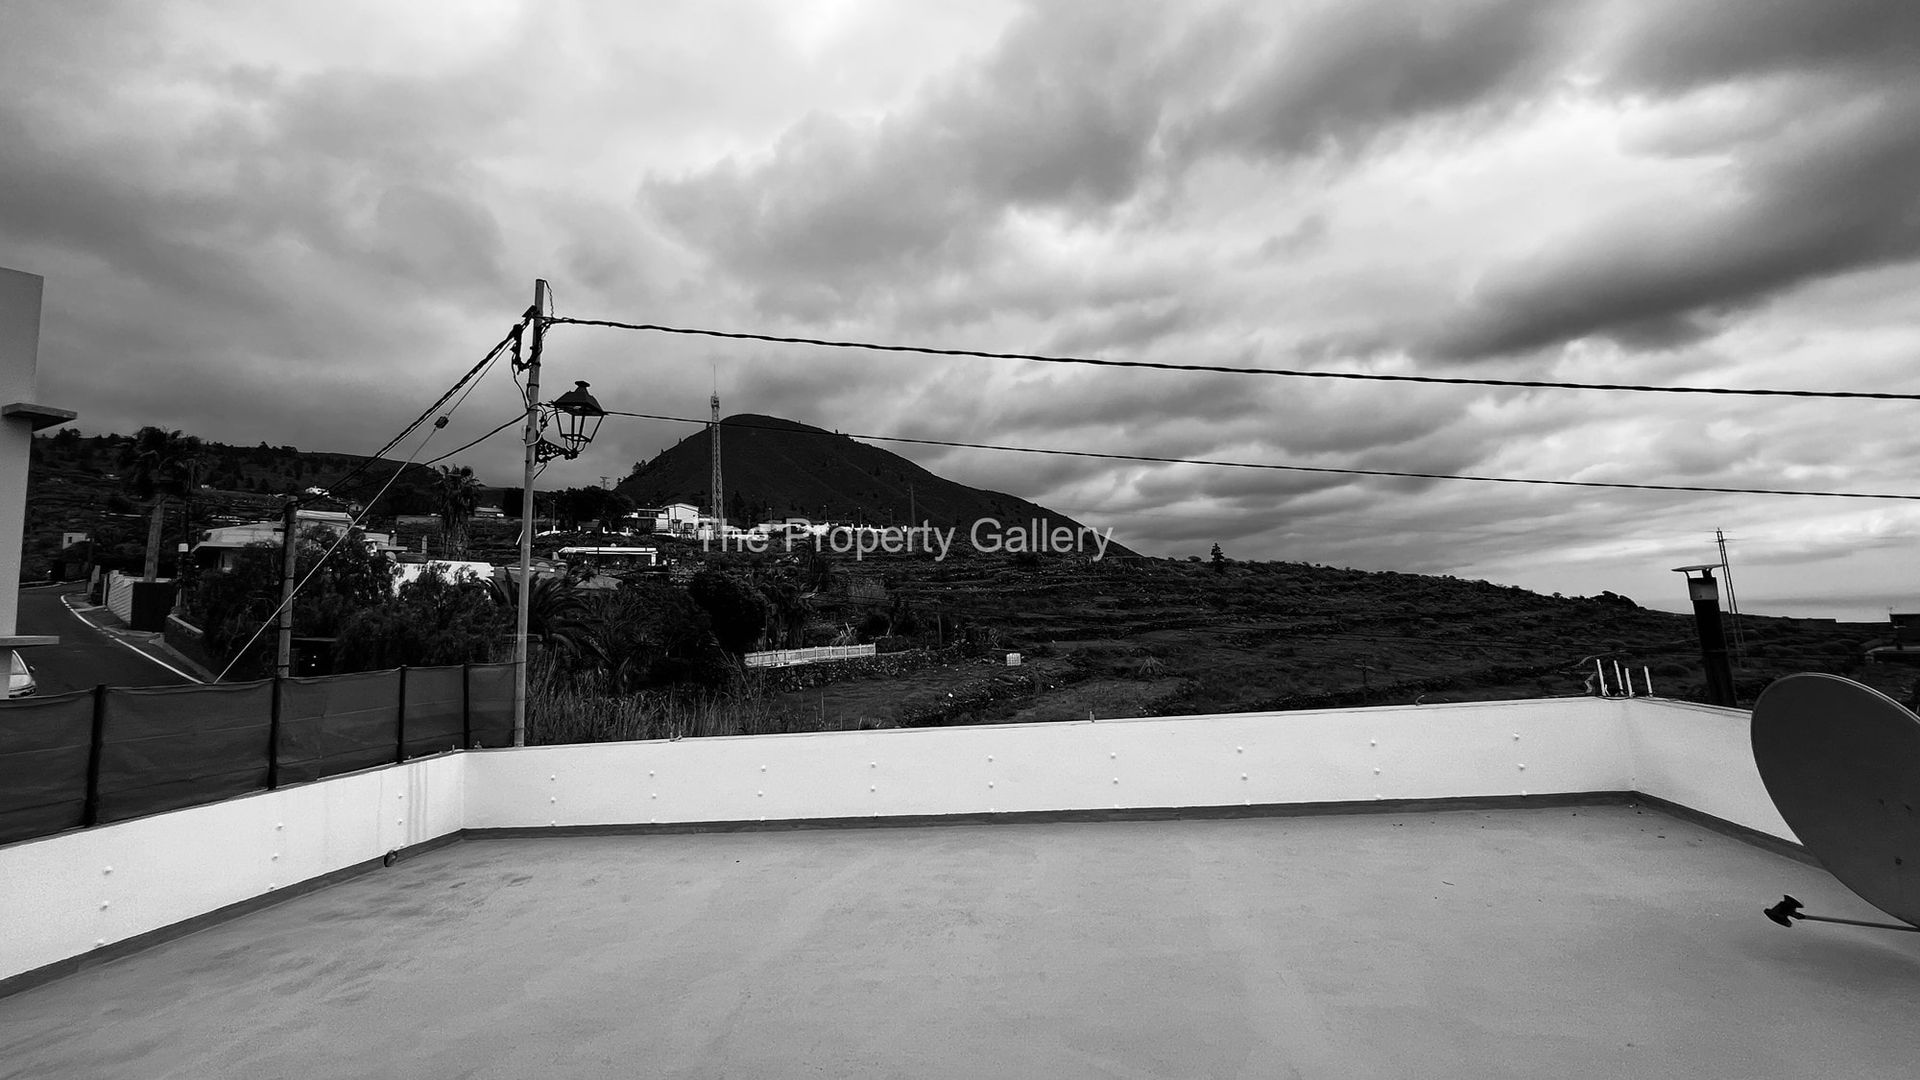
1135 326
1236 489
1354 70
1671 47
1694 454
1061 117
1833 194
1828 191
1079 114
1081 109
270 241
302 242
1065 404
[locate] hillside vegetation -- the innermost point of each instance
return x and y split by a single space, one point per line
1123 636
1134 637
78 483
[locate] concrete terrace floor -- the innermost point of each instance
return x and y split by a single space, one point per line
1599 941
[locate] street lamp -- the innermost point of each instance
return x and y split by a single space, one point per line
576 418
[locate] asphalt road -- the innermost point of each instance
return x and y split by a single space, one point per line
85 656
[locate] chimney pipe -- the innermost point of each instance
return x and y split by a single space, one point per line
1704 591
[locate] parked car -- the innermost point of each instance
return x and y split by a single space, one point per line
20 680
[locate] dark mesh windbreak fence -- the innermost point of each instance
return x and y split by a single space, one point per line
44 746
338 723
490 704
436 698
172 746
104 755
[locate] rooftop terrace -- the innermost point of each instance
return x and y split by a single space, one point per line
1565 888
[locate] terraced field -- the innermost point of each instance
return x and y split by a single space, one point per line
1157 637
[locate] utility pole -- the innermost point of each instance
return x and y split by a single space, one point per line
537 314
289 562
156 526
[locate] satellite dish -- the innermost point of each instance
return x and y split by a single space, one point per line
1842 763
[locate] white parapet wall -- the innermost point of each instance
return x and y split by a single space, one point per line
63 896
66 895
1701 757
1541 747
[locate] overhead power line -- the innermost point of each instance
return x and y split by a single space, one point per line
1275 466
474 372
1292 373
510 421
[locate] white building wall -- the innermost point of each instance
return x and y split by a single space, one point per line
20 295
120 595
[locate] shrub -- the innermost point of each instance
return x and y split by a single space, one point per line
737 610
430 621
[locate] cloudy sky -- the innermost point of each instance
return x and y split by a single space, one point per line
299 222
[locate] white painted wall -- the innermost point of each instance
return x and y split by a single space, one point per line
19 373
65 895
817 654
1701 756
120 595
1433 751
58 897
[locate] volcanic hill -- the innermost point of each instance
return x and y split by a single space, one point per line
774 468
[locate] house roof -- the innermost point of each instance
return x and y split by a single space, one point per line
1469 890
1571 941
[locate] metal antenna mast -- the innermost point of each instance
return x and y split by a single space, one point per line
1733 602
714 431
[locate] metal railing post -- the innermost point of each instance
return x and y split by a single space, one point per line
273 738
400 721
90 812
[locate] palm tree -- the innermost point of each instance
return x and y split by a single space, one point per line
157 461
555 611
456 493
790 610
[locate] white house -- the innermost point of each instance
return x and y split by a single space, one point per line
219 549
610 558
677 519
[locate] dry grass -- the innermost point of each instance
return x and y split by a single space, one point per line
562 709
